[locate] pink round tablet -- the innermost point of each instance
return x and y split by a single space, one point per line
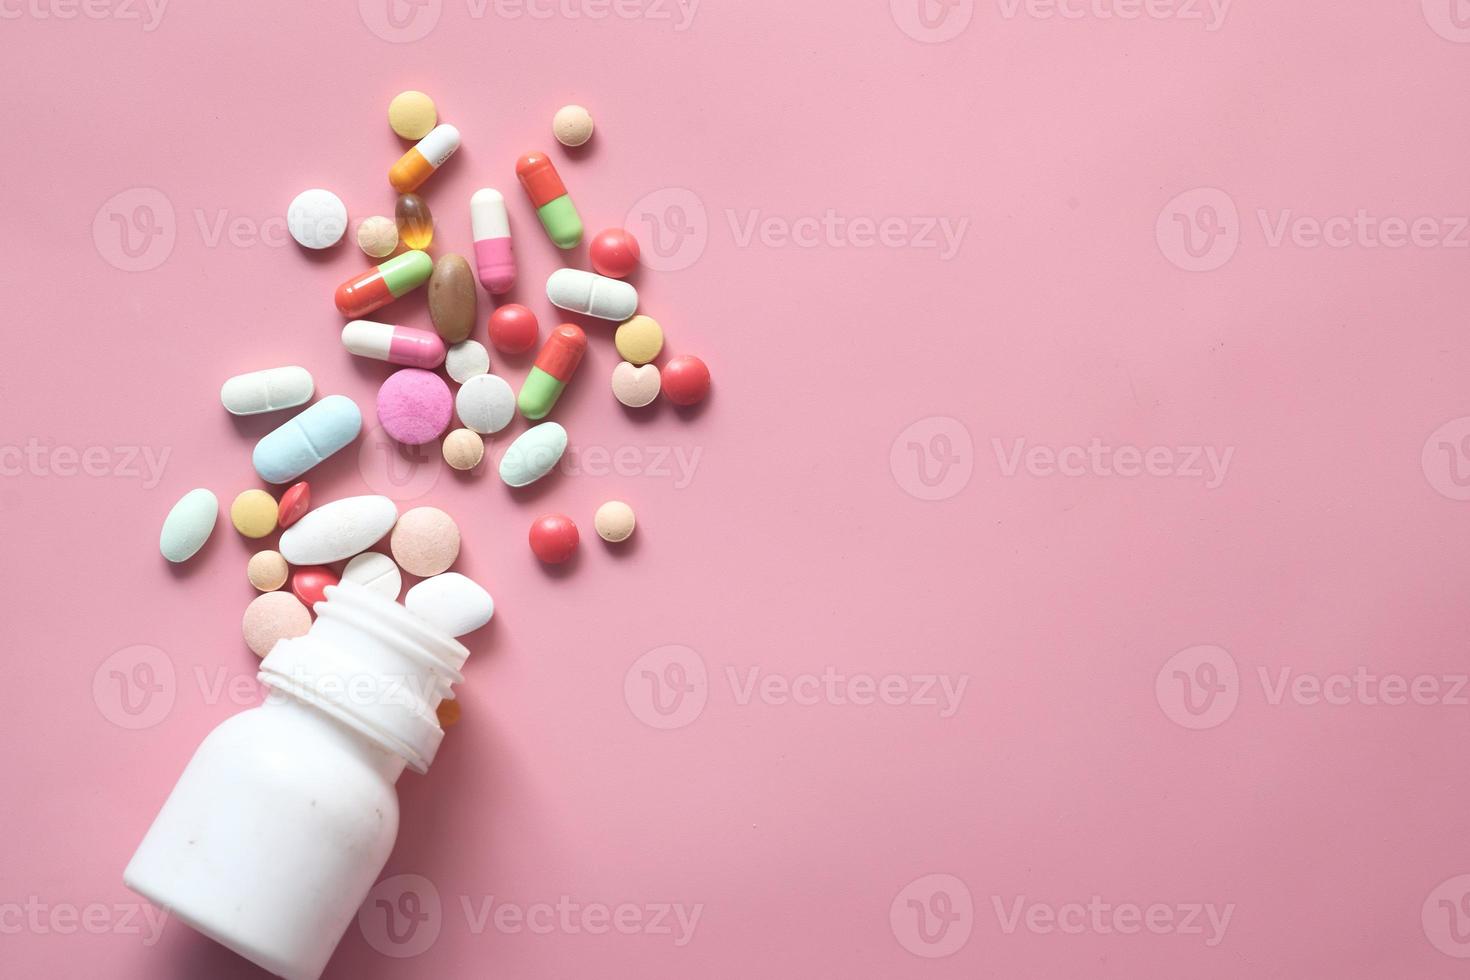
414 406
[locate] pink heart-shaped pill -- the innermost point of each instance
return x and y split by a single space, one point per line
635 386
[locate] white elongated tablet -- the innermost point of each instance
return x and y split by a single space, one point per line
338 530
451 602
375 570
267 391
586 292
485 404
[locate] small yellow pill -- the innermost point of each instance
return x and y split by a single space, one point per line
377 236
412 115
254 513
639 340
463 449
267 570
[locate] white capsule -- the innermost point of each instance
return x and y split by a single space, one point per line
586 292
338 530
267 391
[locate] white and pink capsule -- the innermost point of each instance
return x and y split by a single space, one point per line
395 344
494 261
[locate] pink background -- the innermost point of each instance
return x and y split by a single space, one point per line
1122 639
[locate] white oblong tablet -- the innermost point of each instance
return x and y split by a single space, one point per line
467 359
317 218
338 530
267 391
485 404
375 570
586 292
450 602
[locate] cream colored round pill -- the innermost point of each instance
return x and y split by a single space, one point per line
267 570
254 513
425 541
639 339
614 521
572 125
463 449
271 617
377 236
412 115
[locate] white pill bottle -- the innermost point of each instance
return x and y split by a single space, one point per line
287 812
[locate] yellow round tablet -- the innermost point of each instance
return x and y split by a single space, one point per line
254 513
412 115
639 340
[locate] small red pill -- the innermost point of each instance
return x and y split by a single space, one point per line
294 502
554 538
685 380
513 328
309 583
613 252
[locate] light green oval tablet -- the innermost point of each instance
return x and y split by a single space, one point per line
534 454
188 525
406 272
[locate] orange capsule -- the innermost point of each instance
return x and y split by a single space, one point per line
427 156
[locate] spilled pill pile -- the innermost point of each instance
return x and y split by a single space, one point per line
333 542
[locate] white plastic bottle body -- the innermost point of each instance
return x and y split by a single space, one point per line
283 819
273 836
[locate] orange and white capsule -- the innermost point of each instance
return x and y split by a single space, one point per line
427 156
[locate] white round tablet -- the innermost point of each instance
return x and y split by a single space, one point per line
485 404
317 218
467 359
375 570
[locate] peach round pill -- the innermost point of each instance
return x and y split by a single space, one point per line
271 617
463 449
572 125
425 541
412 115
635 386
377 236
639 340
267 570
614 521
254 513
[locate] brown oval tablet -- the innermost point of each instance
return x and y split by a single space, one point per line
452 298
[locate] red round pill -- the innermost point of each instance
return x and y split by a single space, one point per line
513 328
613 253
294 503
685 380
309 583
554 538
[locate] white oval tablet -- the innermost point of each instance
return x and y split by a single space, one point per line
338 530
267 391
467 359
586 292
485 404
375 570
317 218
450 602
